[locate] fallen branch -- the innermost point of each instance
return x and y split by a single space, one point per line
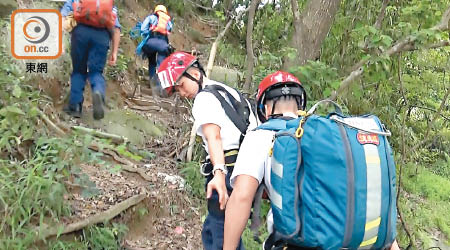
145 108
115 138
213 51
142 102
98 218
127 164
175 151
402 45
52 125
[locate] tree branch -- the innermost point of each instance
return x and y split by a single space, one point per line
433 110
438 113
402 45
212 54
402 163
381 15
445 22
200 6
49 122
379 20
442 43
400 82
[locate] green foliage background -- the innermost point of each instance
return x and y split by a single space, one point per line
406 91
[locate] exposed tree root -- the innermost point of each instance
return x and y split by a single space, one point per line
127 165
98 218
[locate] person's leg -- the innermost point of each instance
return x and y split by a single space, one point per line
159 58
212 232
96 63
151 64
159 46
79 55
213 227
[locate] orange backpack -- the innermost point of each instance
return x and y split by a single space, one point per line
96 13
163 19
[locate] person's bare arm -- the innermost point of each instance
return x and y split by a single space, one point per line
238 210
395 246
115 47
215 148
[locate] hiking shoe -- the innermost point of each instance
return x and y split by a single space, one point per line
97 101
73 110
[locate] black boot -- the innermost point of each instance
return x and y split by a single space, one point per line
74 110
97 101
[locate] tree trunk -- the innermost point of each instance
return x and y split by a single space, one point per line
311 29
250 57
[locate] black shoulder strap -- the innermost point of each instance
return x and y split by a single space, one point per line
256 214
237 111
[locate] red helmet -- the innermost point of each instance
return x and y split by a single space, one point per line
173 67
279 84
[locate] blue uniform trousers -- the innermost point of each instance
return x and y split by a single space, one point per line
89 51
212 232
156 49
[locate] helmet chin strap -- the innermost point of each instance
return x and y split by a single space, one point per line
199 81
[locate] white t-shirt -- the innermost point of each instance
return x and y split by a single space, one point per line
254 160
207 109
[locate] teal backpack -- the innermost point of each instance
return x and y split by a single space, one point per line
333 182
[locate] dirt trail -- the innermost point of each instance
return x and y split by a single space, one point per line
168 218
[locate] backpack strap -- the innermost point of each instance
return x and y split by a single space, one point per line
256 214
237 111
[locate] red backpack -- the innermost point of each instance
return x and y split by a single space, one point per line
96 13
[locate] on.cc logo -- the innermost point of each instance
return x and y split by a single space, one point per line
36 29
36 34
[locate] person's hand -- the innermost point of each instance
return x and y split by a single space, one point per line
218 183
69 23
112 59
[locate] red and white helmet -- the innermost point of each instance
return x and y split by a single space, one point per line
276 85
173 67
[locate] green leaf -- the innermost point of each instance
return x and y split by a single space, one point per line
327 92
372 29
11 109
335 84
116 169
386 40
17 91
33 112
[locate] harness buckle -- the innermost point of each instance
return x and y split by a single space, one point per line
203 169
